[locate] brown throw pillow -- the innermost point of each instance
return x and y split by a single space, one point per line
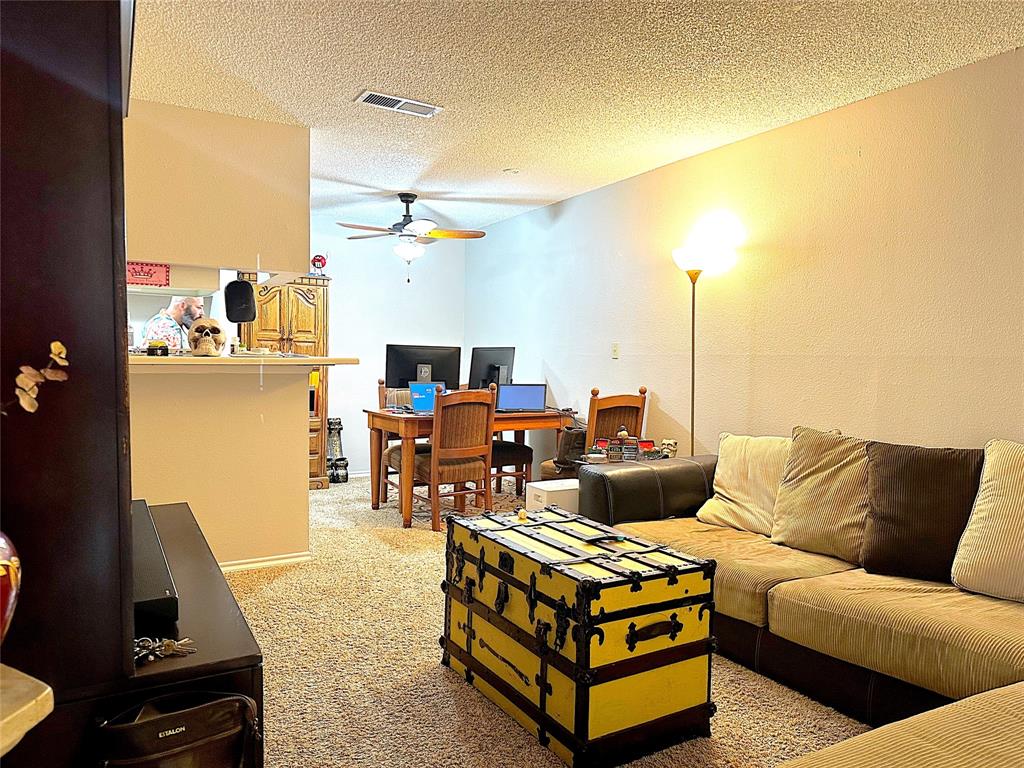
919 501
823 499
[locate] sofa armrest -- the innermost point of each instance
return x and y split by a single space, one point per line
645 490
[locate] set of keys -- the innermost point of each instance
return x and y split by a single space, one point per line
149 649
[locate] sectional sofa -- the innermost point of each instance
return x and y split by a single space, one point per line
983 730
883 580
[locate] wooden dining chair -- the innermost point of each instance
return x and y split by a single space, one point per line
508 453
388 397
606 415
395 396
459 452
609 413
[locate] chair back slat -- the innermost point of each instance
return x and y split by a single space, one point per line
469 452
609 413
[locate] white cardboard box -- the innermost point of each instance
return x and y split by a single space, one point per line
563 493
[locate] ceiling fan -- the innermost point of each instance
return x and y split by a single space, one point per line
412 233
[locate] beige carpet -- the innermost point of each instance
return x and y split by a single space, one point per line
352 672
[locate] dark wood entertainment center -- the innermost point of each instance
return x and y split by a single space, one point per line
66 491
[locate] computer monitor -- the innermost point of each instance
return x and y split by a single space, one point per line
491 365
522 397
405 363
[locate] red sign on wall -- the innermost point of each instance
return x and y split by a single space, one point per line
147 273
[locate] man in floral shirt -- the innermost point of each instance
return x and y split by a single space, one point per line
172 324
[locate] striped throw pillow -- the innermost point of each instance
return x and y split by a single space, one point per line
747 479
990 557
822 502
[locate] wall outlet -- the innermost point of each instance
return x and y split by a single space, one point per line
615 350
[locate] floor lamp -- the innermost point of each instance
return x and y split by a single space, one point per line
710 247
693 274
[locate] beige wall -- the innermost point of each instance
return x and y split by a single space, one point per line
215 190
881 290
233 442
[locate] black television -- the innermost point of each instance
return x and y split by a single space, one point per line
491 365
408 362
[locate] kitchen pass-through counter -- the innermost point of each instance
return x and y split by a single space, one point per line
230 436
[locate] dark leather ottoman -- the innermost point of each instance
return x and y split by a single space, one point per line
629 491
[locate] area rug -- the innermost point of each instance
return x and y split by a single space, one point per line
352 672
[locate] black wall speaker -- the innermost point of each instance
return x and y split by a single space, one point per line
240 301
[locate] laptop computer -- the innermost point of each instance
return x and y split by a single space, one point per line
521 398
422 395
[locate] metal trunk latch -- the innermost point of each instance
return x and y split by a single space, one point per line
541 632
531 597
673 575
460 564
507 563
501 599
561 623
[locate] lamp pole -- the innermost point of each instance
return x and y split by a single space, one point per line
693 275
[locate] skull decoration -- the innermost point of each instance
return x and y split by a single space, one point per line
206 338
669 448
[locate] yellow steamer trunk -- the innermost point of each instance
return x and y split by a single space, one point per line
597 642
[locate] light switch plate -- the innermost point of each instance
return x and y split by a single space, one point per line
615 350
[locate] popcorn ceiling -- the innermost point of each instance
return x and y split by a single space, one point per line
574 94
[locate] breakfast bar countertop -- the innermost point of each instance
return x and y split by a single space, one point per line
246 360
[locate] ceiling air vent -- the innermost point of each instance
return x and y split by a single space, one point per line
395 104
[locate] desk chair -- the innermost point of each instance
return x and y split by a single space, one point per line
607 414
389 397
519 456
459 452
508 453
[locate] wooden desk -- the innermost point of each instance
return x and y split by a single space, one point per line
409 426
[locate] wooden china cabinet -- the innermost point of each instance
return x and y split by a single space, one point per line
293 318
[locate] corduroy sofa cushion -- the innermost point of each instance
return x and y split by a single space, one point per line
919 501
990 557
747 479
928 634
823 498
984 730
748 564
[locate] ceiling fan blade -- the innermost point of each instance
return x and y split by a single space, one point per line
364 226
455 234
367 237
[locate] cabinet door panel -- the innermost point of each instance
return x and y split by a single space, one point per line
304 319
268 329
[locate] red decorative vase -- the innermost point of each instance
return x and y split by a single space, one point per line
10 581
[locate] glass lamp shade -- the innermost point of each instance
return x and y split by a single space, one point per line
420 227
710 247
409 251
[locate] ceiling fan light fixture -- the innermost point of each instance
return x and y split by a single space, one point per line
420 227
408 251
